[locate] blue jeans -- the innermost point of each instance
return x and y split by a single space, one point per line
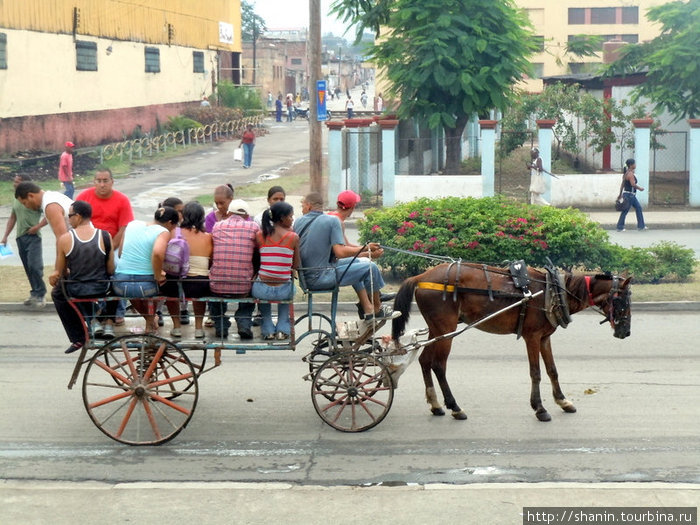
247 154
283 292
70 189
29 248
290 116
631 198
128 285
360 273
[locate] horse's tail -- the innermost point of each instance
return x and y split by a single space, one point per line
402 303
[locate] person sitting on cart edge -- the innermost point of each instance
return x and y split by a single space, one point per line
232 270
327 261
84 263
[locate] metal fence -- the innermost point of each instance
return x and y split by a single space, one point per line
150 145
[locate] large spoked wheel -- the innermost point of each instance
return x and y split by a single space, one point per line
352 391
130 386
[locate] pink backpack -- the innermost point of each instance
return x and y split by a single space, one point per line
177 256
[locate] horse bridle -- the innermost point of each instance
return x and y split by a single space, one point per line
617 298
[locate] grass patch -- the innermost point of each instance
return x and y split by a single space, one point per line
295 181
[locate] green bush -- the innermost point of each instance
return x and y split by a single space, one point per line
667 261
490 230
209 114
181 123
232 96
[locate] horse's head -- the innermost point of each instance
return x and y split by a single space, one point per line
614 301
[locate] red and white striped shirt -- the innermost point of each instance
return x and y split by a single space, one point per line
276 258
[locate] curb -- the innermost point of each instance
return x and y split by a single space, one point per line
349 307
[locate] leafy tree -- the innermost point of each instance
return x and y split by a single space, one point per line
671 60
251 24
446 59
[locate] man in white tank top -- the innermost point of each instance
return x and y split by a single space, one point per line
53 205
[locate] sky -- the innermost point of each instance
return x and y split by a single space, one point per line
285 14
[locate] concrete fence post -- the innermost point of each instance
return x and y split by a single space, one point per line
694 162
388 128
335 159
488 157
642 136
545 135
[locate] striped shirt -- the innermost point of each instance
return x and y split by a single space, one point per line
232 267
276 258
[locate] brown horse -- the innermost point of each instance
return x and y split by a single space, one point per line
465 292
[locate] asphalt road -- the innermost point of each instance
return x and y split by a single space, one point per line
638 416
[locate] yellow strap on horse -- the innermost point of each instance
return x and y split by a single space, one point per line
436 286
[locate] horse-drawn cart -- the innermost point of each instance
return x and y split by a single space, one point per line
143 389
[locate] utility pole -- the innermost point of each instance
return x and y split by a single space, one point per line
315 130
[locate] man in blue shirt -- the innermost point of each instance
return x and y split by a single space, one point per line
328 260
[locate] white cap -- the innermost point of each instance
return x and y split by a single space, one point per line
239 207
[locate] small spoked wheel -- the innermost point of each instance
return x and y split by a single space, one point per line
352 391
140 390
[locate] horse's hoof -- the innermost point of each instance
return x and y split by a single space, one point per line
459 415
566 406
543 416
437 411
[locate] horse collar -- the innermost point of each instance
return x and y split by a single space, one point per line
588 288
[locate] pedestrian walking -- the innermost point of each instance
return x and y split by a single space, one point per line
248 143
278 109
65 170
628 192
349 106
537 183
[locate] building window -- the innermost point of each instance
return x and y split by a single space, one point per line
152 60
296 61
630 15
539 42
85 56
579 68
3 51
198 61
577 15
538 70
602 15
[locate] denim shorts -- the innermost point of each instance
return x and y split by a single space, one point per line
127 285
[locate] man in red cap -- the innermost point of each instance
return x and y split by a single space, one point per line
65 170
346 202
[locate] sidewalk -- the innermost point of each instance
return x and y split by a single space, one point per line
262 503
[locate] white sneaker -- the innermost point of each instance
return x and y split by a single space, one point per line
108 332
96 328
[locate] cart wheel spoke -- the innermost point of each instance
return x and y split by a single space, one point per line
350 391
150 372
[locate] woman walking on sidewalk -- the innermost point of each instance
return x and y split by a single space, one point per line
628 192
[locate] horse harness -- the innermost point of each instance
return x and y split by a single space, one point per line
556 306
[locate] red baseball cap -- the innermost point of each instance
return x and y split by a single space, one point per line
348 199
69 144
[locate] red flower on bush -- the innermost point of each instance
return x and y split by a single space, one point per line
473 245
413 215
376 228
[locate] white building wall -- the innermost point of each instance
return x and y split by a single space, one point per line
42 79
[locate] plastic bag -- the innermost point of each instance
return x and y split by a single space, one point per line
238 154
